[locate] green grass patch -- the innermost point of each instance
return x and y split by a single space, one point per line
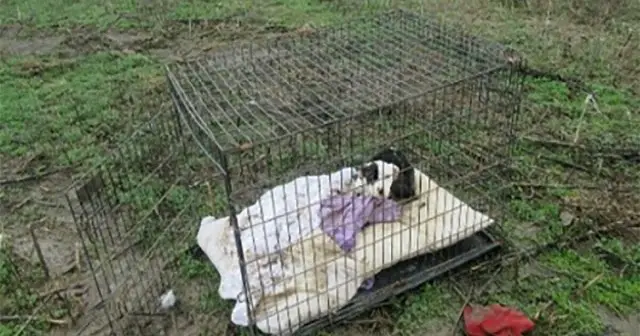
567 292
68 109
128 13
567 289
608 122
18 295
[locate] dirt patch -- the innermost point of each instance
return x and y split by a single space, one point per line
214 320
174 40
17 40
79 42
32 199
34 46
58 253
41 206
623 326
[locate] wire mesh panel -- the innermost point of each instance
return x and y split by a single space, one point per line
289 84
352 161
134 211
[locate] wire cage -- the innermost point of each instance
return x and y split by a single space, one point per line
358 162
134 211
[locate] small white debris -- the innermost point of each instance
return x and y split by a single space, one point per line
1 240
566 218
591 100
168 300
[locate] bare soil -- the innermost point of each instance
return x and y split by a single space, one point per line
623 326
172 41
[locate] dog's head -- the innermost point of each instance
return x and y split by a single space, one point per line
375 178
403 185
389 175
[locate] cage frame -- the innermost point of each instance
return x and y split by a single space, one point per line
489 244
512 63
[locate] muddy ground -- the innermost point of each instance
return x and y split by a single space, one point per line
172 41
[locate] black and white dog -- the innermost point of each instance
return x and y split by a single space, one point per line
388 174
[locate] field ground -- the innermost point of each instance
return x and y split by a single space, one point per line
77 77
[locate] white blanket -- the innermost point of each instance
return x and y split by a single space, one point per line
302 274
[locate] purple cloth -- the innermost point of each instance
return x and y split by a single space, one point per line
343 216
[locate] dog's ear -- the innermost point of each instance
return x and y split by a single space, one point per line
394 156
401 188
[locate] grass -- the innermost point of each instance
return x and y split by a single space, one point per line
128 14
67 106
70 106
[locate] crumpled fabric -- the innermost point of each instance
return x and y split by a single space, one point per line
495 320
343 216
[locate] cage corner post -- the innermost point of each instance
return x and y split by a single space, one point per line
237 235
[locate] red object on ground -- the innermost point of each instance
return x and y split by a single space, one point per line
495 320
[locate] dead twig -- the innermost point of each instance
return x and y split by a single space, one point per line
21 204
30 158
78 256
35 316
542 309
552 142
52 292
626 43
10 318
582 290
567 164
47 204
576 135
29 178
606 152
36 246
467 300
553 186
